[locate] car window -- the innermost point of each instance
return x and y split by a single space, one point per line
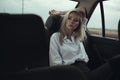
112 16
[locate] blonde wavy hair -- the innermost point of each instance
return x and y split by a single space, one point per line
79 31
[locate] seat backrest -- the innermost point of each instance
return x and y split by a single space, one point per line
119 29
23 42
53 23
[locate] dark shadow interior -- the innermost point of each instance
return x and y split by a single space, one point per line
23 42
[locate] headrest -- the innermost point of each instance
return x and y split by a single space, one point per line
53 23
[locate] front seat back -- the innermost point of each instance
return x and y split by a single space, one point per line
23 42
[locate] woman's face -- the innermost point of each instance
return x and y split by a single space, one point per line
73 21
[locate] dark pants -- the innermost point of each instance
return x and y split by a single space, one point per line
103 72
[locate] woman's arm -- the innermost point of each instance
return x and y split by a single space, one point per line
55 12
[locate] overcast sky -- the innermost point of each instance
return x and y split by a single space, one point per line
42 7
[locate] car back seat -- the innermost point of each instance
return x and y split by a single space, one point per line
52 25
23 42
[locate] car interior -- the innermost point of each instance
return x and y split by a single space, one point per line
25 47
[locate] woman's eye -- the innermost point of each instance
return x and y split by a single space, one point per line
76 20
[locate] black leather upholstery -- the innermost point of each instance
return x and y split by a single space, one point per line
53 23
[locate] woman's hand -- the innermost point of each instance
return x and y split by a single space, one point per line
54 12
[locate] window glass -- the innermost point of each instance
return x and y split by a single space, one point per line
10 6
94 25
39 7
112 16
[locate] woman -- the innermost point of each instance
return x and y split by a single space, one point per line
71 34
66 47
